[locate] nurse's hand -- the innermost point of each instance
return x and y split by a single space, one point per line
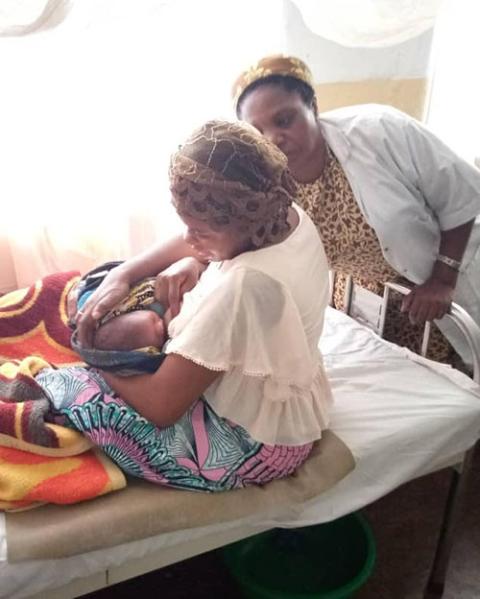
429 301
173 282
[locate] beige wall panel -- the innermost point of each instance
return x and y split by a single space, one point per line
408 95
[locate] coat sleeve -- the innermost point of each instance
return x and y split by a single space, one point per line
449 185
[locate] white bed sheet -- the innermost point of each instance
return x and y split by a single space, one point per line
402 416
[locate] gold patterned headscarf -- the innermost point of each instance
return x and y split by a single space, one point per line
228 175
276 64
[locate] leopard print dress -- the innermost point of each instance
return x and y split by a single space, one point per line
352 248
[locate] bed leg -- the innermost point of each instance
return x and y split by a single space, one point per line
456 494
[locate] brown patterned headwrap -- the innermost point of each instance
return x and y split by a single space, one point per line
228 175
276 64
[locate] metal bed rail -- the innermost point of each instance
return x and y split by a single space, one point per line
374 317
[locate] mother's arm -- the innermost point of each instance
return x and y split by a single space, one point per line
163 397
117 283
151 261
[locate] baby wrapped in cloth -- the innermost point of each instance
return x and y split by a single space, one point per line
130 338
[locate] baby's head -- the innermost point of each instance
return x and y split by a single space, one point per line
232 189
132 330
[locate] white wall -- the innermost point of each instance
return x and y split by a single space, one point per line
331 62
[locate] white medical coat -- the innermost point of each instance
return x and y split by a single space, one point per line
410 186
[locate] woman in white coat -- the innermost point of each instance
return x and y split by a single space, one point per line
390 200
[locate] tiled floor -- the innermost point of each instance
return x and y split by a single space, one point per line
404 524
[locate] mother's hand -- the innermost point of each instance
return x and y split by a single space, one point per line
428 301
114 288
173 282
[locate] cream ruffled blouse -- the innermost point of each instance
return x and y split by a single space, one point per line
258 319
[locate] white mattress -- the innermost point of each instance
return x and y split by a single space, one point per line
402 416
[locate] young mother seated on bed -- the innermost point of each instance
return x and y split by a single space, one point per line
244 341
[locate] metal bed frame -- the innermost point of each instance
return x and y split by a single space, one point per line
370 313
374 317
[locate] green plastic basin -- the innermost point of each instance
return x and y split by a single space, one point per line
326 561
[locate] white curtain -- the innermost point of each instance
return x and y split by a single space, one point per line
99 93
91 111
369 23
20 17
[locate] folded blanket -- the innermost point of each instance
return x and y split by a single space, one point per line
28 480
24 413
40 460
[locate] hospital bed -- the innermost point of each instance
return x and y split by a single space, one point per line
401 415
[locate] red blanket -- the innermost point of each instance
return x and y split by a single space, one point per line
33 321
40 461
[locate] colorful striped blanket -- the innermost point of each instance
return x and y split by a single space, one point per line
40 460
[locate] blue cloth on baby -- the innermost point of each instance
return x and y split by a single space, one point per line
120 362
